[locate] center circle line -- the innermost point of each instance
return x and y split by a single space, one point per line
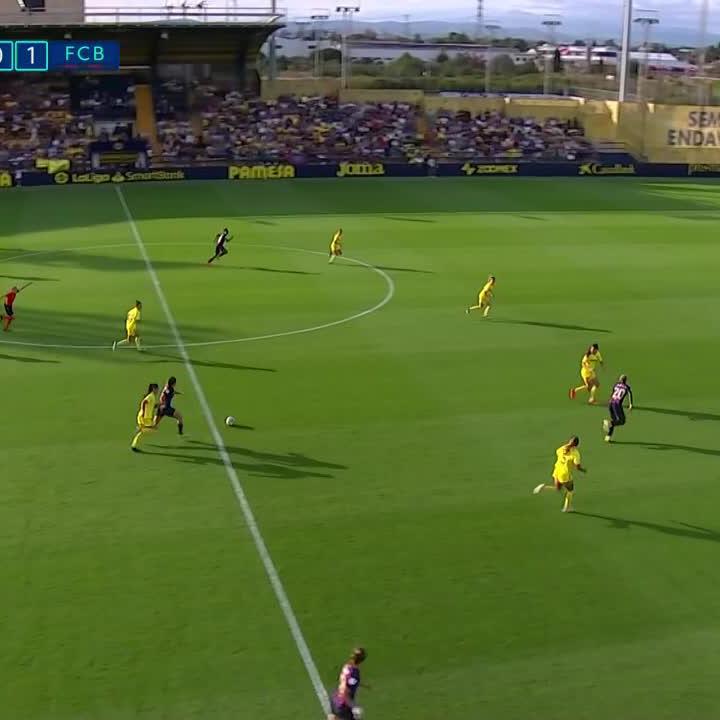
389 294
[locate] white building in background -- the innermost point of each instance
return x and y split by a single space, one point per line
389 50
610 57
383 51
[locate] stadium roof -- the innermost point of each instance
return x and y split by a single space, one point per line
180 13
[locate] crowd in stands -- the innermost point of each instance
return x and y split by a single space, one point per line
36 122
199 123
230 126
460 135
105 98
53 119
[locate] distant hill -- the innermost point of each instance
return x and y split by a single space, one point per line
516 24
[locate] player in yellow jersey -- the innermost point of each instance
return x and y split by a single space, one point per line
336 245
567 459
146 415
588 373
485 297
131 327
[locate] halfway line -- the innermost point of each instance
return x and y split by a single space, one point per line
263 552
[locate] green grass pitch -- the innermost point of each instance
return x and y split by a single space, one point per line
389 460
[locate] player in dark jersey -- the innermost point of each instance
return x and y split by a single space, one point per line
165 406
621 390
8 300
220 241
342 701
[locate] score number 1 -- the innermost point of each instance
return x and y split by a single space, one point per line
6 56
31 56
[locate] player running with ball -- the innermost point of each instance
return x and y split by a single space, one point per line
342 701
621 390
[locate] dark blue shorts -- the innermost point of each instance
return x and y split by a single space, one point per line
617 413
166 412
342 712
9 310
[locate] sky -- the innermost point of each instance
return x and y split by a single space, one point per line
669 11
577 15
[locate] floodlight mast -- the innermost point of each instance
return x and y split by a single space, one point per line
551 23
318 18
646 21
272 49
347 12
625 49
491 29
702 84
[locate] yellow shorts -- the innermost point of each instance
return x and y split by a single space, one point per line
484 299
144 423
131 331
563 481
588 376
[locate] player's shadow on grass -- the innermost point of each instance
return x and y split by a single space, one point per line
291 466
664 447
85 260
165 358
558 326
693 532
689 414
30 278
278 270
295 459
409 219
66 328
31 360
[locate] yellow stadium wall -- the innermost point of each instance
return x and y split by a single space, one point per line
475 105
543 109
630 120
682 133
599 119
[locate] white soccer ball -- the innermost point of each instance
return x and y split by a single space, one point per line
357 713
229 420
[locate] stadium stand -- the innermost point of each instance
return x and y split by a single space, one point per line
233 126
105 97
202 123
460 135
36 122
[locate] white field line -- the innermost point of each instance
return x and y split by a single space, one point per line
237 487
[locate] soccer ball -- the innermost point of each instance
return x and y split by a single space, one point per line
357 713
229 420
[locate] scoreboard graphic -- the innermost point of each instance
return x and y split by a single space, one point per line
56 55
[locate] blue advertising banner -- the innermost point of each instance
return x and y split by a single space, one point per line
173 174
281 171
